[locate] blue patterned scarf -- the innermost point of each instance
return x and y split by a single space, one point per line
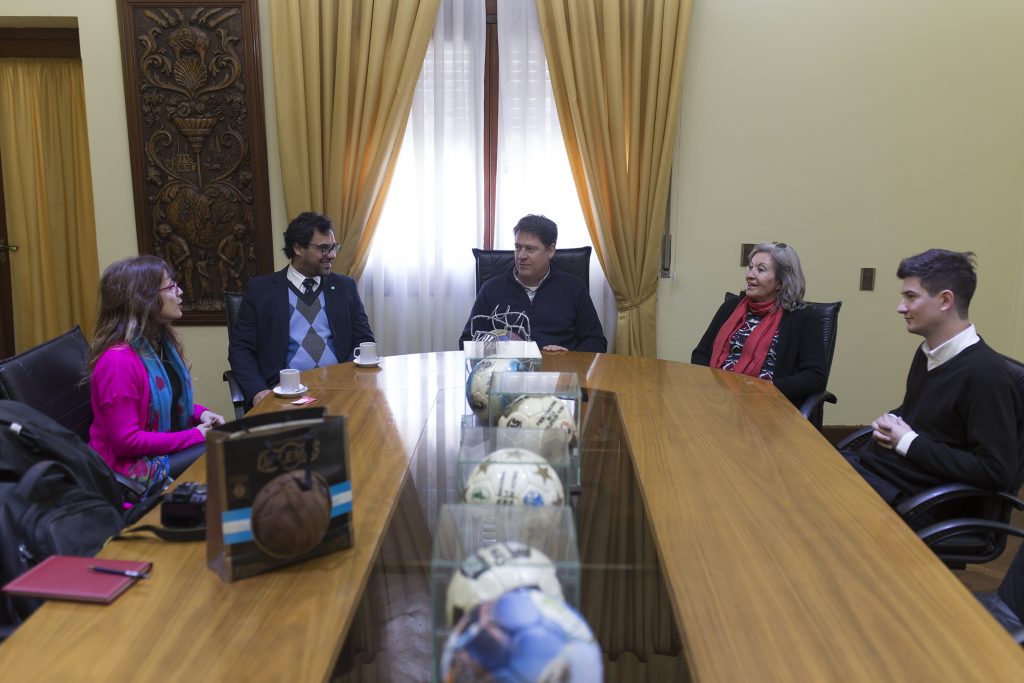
165 414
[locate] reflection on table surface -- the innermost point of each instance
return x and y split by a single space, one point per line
622 597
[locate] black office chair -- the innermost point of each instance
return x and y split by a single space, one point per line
974 523
1006 604
813 407
491 262
53 379
233 302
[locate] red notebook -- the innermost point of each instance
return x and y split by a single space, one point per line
65 577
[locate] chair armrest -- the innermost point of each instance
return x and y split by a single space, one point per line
925 500
855 439
815 401
237 398
949 528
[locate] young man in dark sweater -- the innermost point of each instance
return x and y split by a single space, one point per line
558 305
960 420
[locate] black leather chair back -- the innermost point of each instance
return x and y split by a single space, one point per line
53 378
232 302
491 262
828 314
1016 370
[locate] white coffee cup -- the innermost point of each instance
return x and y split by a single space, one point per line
366 352
290 380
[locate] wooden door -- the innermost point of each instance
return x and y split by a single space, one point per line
24 42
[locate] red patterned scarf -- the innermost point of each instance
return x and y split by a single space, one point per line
755 349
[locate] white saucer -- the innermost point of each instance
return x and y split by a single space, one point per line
361 364
281 392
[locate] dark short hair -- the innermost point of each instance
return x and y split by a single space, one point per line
941 269
300 230
541 226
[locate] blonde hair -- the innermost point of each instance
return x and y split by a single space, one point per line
787 271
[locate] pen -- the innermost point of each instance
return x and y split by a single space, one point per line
122 572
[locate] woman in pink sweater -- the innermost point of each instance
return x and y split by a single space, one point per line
145 422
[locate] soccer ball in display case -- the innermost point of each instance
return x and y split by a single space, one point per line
524 636
514 476
478 384
497 569
548 413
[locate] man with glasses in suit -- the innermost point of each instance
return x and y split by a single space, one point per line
301 317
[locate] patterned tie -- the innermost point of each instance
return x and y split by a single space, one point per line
308 284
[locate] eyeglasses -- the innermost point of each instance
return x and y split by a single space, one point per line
326 249
169 288
780 245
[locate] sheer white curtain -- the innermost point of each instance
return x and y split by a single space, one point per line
418 286
533 169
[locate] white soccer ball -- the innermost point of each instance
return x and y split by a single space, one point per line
514 476
548 413
478 384
497 569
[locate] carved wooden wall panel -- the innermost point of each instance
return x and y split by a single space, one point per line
196 132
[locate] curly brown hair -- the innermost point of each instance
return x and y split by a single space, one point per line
130 304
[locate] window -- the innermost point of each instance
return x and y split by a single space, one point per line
481 149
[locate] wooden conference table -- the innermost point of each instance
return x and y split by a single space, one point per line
772 560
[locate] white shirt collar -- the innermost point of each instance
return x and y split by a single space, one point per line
528 288
296 278
948 349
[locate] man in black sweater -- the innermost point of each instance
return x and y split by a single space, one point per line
558 305
960 420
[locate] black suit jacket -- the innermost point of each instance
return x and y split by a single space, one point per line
259 347
799 357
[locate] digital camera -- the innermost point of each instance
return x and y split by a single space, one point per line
185 506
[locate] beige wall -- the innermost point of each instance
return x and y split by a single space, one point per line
108 147
858 131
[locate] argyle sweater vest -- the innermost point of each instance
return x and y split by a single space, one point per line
309 332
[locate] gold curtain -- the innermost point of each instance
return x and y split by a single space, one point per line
345 73
616 71
44 148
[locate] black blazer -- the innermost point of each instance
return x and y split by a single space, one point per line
259 349
799 356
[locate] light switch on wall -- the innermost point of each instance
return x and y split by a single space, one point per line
745 250
867 279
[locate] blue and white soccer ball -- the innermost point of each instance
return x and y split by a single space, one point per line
496 569
478 384
514 476
522 637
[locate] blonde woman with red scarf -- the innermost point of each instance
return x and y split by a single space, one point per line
768 332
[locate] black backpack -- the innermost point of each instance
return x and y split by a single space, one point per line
57 496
